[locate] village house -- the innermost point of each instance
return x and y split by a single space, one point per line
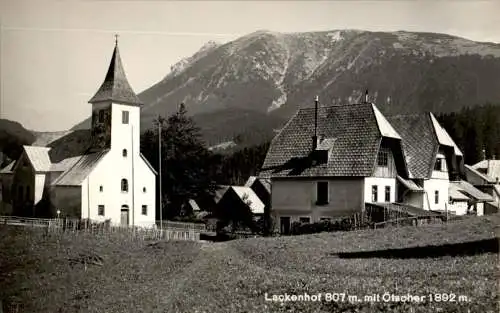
328 162
6 175
333 161
484 175
109 179
241 197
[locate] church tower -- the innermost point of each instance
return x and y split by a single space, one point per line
115 111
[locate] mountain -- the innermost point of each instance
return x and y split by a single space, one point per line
12 137
255 83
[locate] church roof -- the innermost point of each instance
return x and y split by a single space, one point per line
116 87
38 157
75 175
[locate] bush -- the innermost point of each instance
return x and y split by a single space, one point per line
345 224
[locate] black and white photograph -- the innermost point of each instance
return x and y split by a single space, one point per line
249 156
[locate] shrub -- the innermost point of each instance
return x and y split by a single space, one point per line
344 224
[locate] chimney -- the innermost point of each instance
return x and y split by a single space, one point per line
366 96
484 154
315 137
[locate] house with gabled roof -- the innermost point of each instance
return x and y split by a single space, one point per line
328 162
109 179
6 175
335 161
262 188
432 157
479 176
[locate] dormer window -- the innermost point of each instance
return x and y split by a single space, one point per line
440 164
383 158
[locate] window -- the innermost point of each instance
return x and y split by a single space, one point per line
20 192
436 197
387 193
124 185
143 189
322 193
383 158
101 188
101 116
438 166
124 117
374 194
305 219
124 153
100 210
144 210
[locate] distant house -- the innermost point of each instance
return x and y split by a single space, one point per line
474 201
262 188
6 176
236 197
239 206
479 176
491 168
107 179
332 161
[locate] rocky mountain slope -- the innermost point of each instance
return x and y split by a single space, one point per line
264 77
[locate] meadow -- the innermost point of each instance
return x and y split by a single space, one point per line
455 263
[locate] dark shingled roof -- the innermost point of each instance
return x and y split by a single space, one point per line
420 143
353 152
116 87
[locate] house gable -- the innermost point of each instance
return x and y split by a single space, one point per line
353 138
423 138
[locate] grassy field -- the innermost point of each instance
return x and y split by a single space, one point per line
86 274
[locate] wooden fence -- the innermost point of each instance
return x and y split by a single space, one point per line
168 230
408 221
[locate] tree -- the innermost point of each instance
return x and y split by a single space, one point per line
185 161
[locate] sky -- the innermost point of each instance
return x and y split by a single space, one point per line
54 54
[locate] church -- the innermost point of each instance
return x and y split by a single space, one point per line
108 179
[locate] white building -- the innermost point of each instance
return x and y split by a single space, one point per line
337 161
111 179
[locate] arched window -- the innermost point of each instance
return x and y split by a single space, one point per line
124 153
143 189
101 188
124 185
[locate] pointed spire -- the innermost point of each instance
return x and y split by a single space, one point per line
116 87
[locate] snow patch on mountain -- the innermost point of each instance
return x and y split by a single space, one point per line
180 66
335 36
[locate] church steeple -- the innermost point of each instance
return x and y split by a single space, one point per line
116 87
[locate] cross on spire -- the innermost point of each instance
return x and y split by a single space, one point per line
116 39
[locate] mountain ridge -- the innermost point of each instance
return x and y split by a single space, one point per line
274 74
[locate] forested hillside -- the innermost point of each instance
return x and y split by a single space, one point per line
475 129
